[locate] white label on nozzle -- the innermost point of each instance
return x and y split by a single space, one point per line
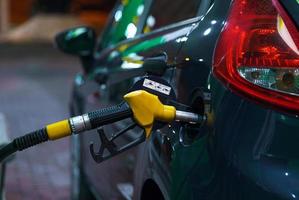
157 86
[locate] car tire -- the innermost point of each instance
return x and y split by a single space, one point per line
79 187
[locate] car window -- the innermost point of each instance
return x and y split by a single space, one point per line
165 12
124 22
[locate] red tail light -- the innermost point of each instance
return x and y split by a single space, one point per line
257 54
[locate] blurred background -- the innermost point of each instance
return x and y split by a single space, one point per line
35 86
32 20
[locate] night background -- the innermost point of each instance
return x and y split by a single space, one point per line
35 85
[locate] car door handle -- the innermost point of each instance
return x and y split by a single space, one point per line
156 65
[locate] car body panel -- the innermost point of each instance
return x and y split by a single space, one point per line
177 162
248 154
292 8
255 156
245 163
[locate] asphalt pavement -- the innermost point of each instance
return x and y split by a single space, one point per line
35 86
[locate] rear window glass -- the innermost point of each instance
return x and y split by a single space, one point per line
165 12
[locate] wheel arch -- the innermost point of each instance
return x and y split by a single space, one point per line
150 190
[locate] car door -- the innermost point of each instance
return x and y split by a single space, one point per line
120 65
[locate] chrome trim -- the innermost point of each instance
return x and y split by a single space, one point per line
77 124
87 121
188 117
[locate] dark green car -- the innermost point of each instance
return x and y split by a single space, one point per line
237 62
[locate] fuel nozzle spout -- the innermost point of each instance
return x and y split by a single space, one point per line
189 117
145 108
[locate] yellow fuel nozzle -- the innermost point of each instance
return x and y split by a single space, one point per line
144 107
147 108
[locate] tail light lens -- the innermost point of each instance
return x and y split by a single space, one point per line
257 54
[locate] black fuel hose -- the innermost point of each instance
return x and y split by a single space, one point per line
67 127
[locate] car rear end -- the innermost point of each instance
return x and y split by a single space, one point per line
255 98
